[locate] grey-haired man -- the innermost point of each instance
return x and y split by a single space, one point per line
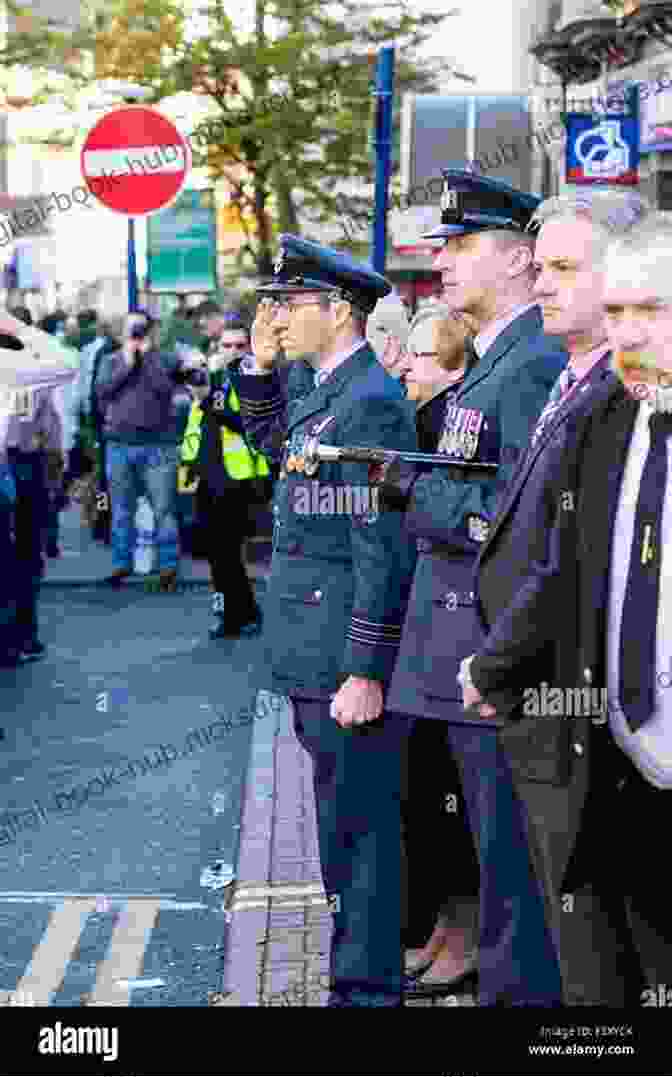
519 606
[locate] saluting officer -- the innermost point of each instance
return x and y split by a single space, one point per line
487 272
337 593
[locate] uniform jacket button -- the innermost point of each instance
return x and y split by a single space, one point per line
588 675
578 748
317 595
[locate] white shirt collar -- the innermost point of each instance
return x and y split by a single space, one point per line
324 371
487 337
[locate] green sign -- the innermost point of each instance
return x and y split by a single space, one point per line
182 245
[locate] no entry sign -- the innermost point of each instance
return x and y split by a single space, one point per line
135 161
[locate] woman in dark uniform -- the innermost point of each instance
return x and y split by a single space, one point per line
441 914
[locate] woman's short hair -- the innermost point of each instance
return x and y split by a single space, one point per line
434 312
389 313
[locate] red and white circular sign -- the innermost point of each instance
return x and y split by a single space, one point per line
135 161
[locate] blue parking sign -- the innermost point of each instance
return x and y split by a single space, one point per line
602 149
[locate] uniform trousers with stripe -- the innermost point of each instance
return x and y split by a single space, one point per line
518 961
357 779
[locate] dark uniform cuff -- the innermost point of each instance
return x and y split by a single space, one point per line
371 648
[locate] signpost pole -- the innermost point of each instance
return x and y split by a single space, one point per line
132 267
384 99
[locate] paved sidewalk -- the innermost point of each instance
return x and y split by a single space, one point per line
278 953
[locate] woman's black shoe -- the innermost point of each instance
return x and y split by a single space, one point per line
414 974
464 982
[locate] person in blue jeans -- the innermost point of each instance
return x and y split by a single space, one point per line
135 388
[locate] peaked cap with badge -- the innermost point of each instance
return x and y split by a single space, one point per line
304 266
474 203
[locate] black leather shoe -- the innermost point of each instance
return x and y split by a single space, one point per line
336 1000
115 578
224 630
31 651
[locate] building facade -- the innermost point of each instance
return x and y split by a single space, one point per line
586 61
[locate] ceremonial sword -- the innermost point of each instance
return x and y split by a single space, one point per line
314 454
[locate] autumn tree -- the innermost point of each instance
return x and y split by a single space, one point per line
291 93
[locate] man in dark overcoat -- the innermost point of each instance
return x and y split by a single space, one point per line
585 732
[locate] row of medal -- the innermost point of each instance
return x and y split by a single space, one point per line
296 458
461 431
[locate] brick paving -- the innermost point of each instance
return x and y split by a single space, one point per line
280 923
278 953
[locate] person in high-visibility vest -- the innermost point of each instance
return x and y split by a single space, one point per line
228 473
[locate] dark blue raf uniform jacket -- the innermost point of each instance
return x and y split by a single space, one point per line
491 419
341 570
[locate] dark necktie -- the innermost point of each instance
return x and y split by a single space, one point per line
566 381
637 659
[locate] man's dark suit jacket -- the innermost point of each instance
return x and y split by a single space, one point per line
598 455
526 601
542 582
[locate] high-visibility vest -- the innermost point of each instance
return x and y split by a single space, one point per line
240 461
